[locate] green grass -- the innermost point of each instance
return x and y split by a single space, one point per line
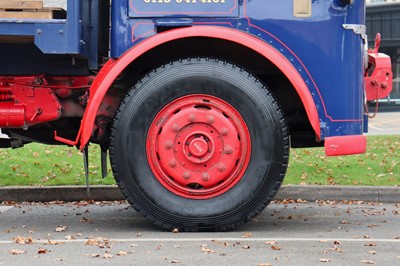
41 165
379 166
37 164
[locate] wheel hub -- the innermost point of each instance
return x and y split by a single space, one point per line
198 146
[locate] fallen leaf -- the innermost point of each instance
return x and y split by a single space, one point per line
367 261
61 228
53 243
275 248
69 237
42 251
270 242
206 250
246 247
85 220
372 252
61 259
93 255
324 260
16 252
370 245
247 235
98 241
335 248
265 264
108 256
23 241
372 225
122 253
175 261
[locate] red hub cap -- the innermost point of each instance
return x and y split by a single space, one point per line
198 146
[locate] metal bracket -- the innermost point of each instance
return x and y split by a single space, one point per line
85 152
358 29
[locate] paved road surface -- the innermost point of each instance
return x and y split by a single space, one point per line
385 123
284 234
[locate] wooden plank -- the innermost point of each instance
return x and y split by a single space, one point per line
45 13
25 15
21 4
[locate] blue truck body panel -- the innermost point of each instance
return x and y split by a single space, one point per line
329 57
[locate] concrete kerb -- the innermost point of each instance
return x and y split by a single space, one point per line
111 193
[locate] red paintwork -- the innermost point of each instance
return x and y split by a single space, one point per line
26 101
30 100
345 145
114 67
193 143
378 84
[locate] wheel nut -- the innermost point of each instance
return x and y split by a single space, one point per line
175 127
191 118
205 177
172 163
210 119
221 167
186 175
169 144
224 131
228 150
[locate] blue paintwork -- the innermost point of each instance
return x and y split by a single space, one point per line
76 35
329 58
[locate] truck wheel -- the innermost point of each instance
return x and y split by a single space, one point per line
199 145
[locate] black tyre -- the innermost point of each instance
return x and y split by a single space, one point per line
199 145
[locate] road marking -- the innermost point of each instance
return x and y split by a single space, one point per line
5 208
277 239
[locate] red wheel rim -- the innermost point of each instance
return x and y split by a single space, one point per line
198 146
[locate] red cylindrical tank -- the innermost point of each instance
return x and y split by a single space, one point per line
12 115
